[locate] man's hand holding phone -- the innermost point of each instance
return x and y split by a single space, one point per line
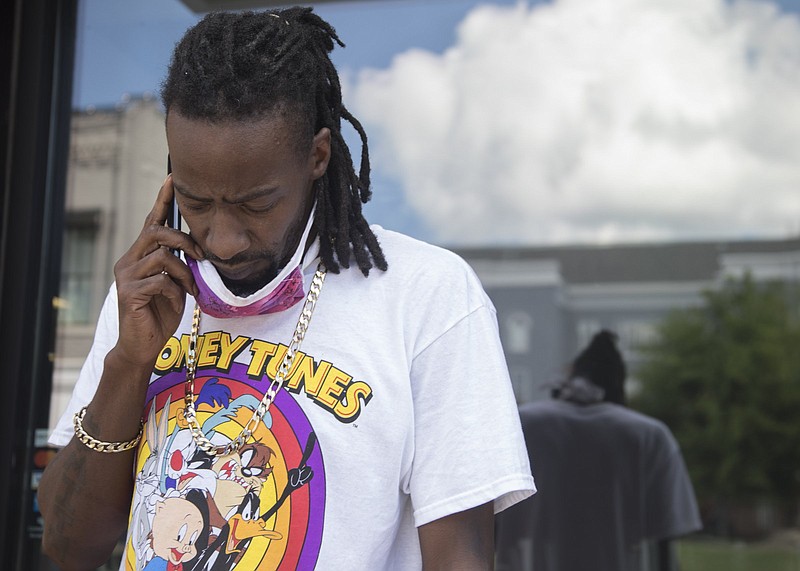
152 284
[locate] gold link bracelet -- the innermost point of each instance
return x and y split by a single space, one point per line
99 445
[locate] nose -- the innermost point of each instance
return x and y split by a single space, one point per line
226 236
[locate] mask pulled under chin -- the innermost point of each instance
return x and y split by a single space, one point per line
216 300
284 295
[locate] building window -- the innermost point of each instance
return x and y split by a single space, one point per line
635 333
77 264
517 329
587 328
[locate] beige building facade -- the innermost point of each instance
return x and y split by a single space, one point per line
117 163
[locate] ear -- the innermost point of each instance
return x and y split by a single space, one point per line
320 153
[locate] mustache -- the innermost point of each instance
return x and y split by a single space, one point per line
238 259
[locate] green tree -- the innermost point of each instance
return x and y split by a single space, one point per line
725 377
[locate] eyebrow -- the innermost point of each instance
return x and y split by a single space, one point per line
186 193
254 194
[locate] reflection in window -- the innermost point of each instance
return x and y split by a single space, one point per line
517 328
586 329
80 239
522 382
635 333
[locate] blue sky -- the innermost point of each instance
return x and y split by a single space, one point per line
124 46
506 122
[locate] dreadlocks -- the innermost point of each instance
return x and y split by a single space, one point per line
602 364
239 66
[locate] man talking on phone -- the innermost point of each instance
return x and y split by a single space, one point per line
296 389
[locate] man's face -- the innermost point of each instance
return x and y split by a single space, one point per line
245 191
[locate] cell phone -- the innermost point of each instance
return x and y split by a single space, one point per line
173 214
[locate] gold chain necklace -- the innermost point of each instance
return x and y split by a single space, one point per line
272 391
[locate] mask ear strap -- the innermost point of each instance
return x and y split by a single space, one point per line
307 232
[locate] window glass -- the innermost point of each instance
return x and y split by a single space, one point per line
550 131
517 329
80 244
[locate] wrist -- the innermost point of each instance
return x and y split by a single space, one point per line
100 445
114 414
120 361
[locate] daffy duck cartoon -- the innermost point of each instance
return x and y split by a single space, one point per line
235 537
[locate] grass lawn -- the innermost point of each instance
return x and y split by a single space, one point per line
715 555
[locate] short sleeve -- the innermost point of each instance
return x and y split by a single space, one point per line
105 337
671 507
469 448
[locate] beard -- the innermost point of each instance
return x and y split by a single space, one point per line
276 261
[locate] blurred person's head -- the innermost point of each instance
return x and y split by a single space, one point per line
597 373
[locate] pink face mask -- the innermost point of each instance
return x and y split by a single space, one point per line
284 295
280 294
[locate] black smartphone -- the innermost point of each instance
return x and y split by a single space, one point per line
173 214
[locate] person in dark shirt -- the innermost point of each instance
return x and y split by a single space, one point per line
611 480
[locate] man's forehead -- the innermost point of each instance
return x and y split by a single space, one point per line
267 126
232 138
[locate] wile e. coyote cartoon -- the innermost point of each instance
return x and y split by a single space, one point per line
192 511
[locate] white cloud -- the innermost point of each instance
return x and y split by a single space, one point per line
601 120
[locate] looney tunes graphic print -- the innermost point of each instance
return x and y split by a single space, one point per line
262 507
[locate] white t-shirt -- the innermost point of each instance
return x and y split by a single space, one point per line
398 411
